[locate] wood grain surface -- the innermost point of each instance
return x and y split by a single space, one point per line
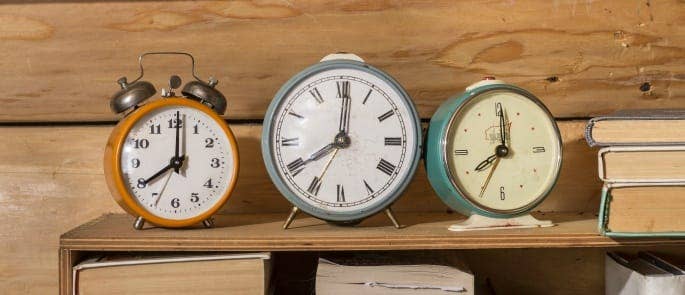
60 59
51 180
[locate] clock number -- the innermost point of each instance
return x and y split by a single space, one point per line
538 149
393 141
290 141
141 183
195 131
461 152
215 163
385 167
367 96
194 197
175 202
173 123
368 188
502 195
141 143
295 167
155 129
209 142
314 186
341 193
135 163
208 184
388 114
343 89
315 93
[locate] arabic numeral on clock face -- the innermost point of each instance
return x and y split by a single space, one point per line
135 163
215 163
173 123
209 143
194 197
141 143
195 131
141 183
461 152
155 129
208 184
502 195
538 149
175 202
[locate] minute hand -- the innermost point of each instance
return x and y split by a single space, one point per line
502 123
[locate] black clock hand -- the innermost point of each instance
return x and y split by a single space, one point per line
502 125
321 153
175 163
178 131
345 108
486 162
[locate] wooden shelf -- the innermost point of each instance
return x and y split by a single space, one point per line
263 232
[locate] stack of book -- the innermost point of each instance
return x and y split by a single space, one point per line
642 163
647 273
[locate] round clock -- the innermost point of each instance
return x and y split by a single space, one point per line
172 162
341 139
495 151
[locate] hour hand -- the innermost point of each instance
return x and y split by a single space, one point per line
321 153
485 163
502 123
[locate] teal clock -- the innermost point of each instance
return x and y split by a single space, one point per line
493 151
341 140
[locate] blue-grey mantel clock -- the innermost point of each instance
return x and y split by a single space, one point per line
494 151
341 140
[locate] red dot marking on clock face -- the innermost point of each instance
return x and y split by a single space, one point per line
518 114
535 170
521 185
465 130
532 128
467 172
478 114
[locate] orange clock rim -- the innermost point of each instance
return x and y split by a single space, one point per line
118 143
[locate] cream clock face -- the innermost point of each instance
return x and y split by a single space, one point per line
516 175
177 162
343 140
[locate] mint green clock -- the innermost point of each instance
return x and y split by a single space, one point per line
495 150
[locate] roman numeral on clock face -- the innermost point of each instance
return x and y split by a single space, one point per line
393 141
538 149
315 93
367 96
314 186
341 193
295 167
388 114
385 167
343 89
290 141
461 152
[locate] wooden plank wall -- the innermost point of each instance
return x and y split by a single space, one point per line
60 60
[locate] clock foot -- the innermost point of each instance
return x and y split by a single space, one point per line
392 218
139 223
479 222
209 222
291 217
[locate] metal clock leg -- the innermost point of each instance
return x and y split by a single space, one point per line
139 223
291 217
388 212
209 222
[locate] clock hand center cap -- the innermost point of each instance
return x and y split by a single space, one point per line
176 162
501 151
342 140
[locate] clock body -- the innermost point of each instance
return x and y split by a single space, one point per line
464 165
341 140
141 151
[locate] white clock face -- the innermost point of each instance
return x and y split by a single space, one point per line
205 162
529 168
343 140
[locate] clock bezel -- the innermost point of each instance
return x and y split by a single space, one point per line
113 169
268 152
464 200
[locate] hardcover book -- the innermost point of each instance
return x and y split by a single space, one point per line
626 274
642 210
638 127
173 274
642 164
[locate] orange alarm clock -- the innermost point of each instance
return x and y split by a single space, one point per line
172 162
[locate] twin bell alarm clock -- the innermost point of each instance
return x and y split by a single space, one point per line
341 140
171 161
493 153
